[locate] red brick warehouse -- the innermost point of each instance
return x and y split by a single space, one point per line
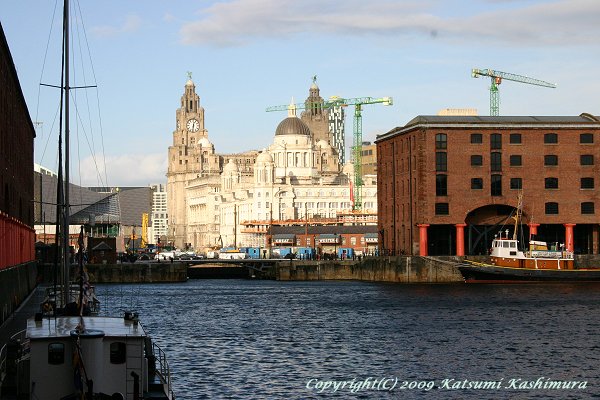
447 184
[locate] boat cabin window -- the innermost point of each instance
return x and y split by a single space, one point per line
513 245
56 353
118 353
505 244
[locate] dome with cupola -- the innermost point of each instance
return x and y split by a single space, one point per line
292 126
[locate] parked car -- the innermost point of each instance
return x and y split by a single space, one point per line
166 256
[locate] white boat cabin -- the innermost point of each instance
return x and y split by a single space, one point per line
115 354
508 248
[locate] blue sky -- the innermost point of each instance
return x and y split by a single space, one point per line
246 55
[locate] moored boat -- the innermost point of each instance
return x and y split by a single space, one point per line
538 262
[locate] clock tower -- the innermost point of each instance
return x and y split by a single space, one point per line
190 156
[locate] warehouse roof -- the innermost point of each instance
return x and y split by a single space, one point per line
584 120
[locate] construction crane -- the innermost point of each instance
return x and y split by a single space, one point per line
358 103
144 242
497 77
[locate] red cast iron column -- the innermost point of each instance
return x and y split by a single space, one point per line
460 239
423 239
569 236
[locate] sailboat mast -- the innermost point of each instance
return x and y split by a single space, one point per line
518 214
66 254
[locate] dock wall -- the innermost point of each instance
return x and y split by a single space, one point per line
138 272
400 269
15 285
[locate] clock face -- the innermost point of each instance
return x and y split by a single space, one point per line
193 125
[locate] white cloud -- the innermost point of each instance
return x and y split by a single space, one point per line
558 22
168 17
131 24
123 170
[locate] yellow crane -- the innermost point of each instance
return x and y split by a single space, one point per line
144 230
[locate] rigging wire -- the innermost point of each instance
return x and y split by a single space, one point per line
37 106
97 97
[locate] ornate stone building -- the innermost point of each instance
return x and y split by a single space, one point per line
229 200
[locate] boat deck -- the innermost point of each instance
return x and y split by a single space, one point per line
62 327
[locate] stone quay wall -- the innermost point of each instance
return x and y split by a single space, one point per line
138 272
15 285
399 269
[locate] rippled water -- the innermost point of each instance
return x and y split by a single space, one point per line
265 339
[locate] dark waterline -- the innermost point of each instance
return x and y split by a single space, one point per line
264 339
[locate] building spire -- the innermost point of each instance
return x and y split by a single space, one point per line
292 108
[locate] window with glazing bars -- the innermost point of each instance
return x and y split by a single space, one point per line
587 183
476 160
587 207
496 185
515 138
496 161
441 161
586 159
516 160
441 141
442 209
586 138
551 208
441 185
476 138
476 183
495 141
550 138
551 183
550 160
516 183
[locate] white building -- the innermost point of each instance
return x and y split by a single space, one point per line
159 220
230 200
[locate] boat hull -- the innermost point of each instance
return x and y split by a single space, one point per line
487 273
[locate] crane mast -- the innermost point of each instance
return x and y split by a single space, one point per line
358 103
496 79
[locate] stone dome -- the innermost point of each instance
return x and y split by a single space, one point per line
292 126
204 142
230 167
264 157
189 83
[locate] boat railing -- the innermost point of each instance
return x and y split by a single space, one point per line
3 362
554 254
21 336
164 370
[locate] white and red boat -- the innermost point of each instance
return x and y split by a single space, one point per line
537 262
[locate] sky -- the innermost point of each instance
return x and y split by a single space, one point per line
246 55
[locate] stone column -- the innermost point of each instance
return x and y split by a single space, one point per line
460 239
569 236
423 239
